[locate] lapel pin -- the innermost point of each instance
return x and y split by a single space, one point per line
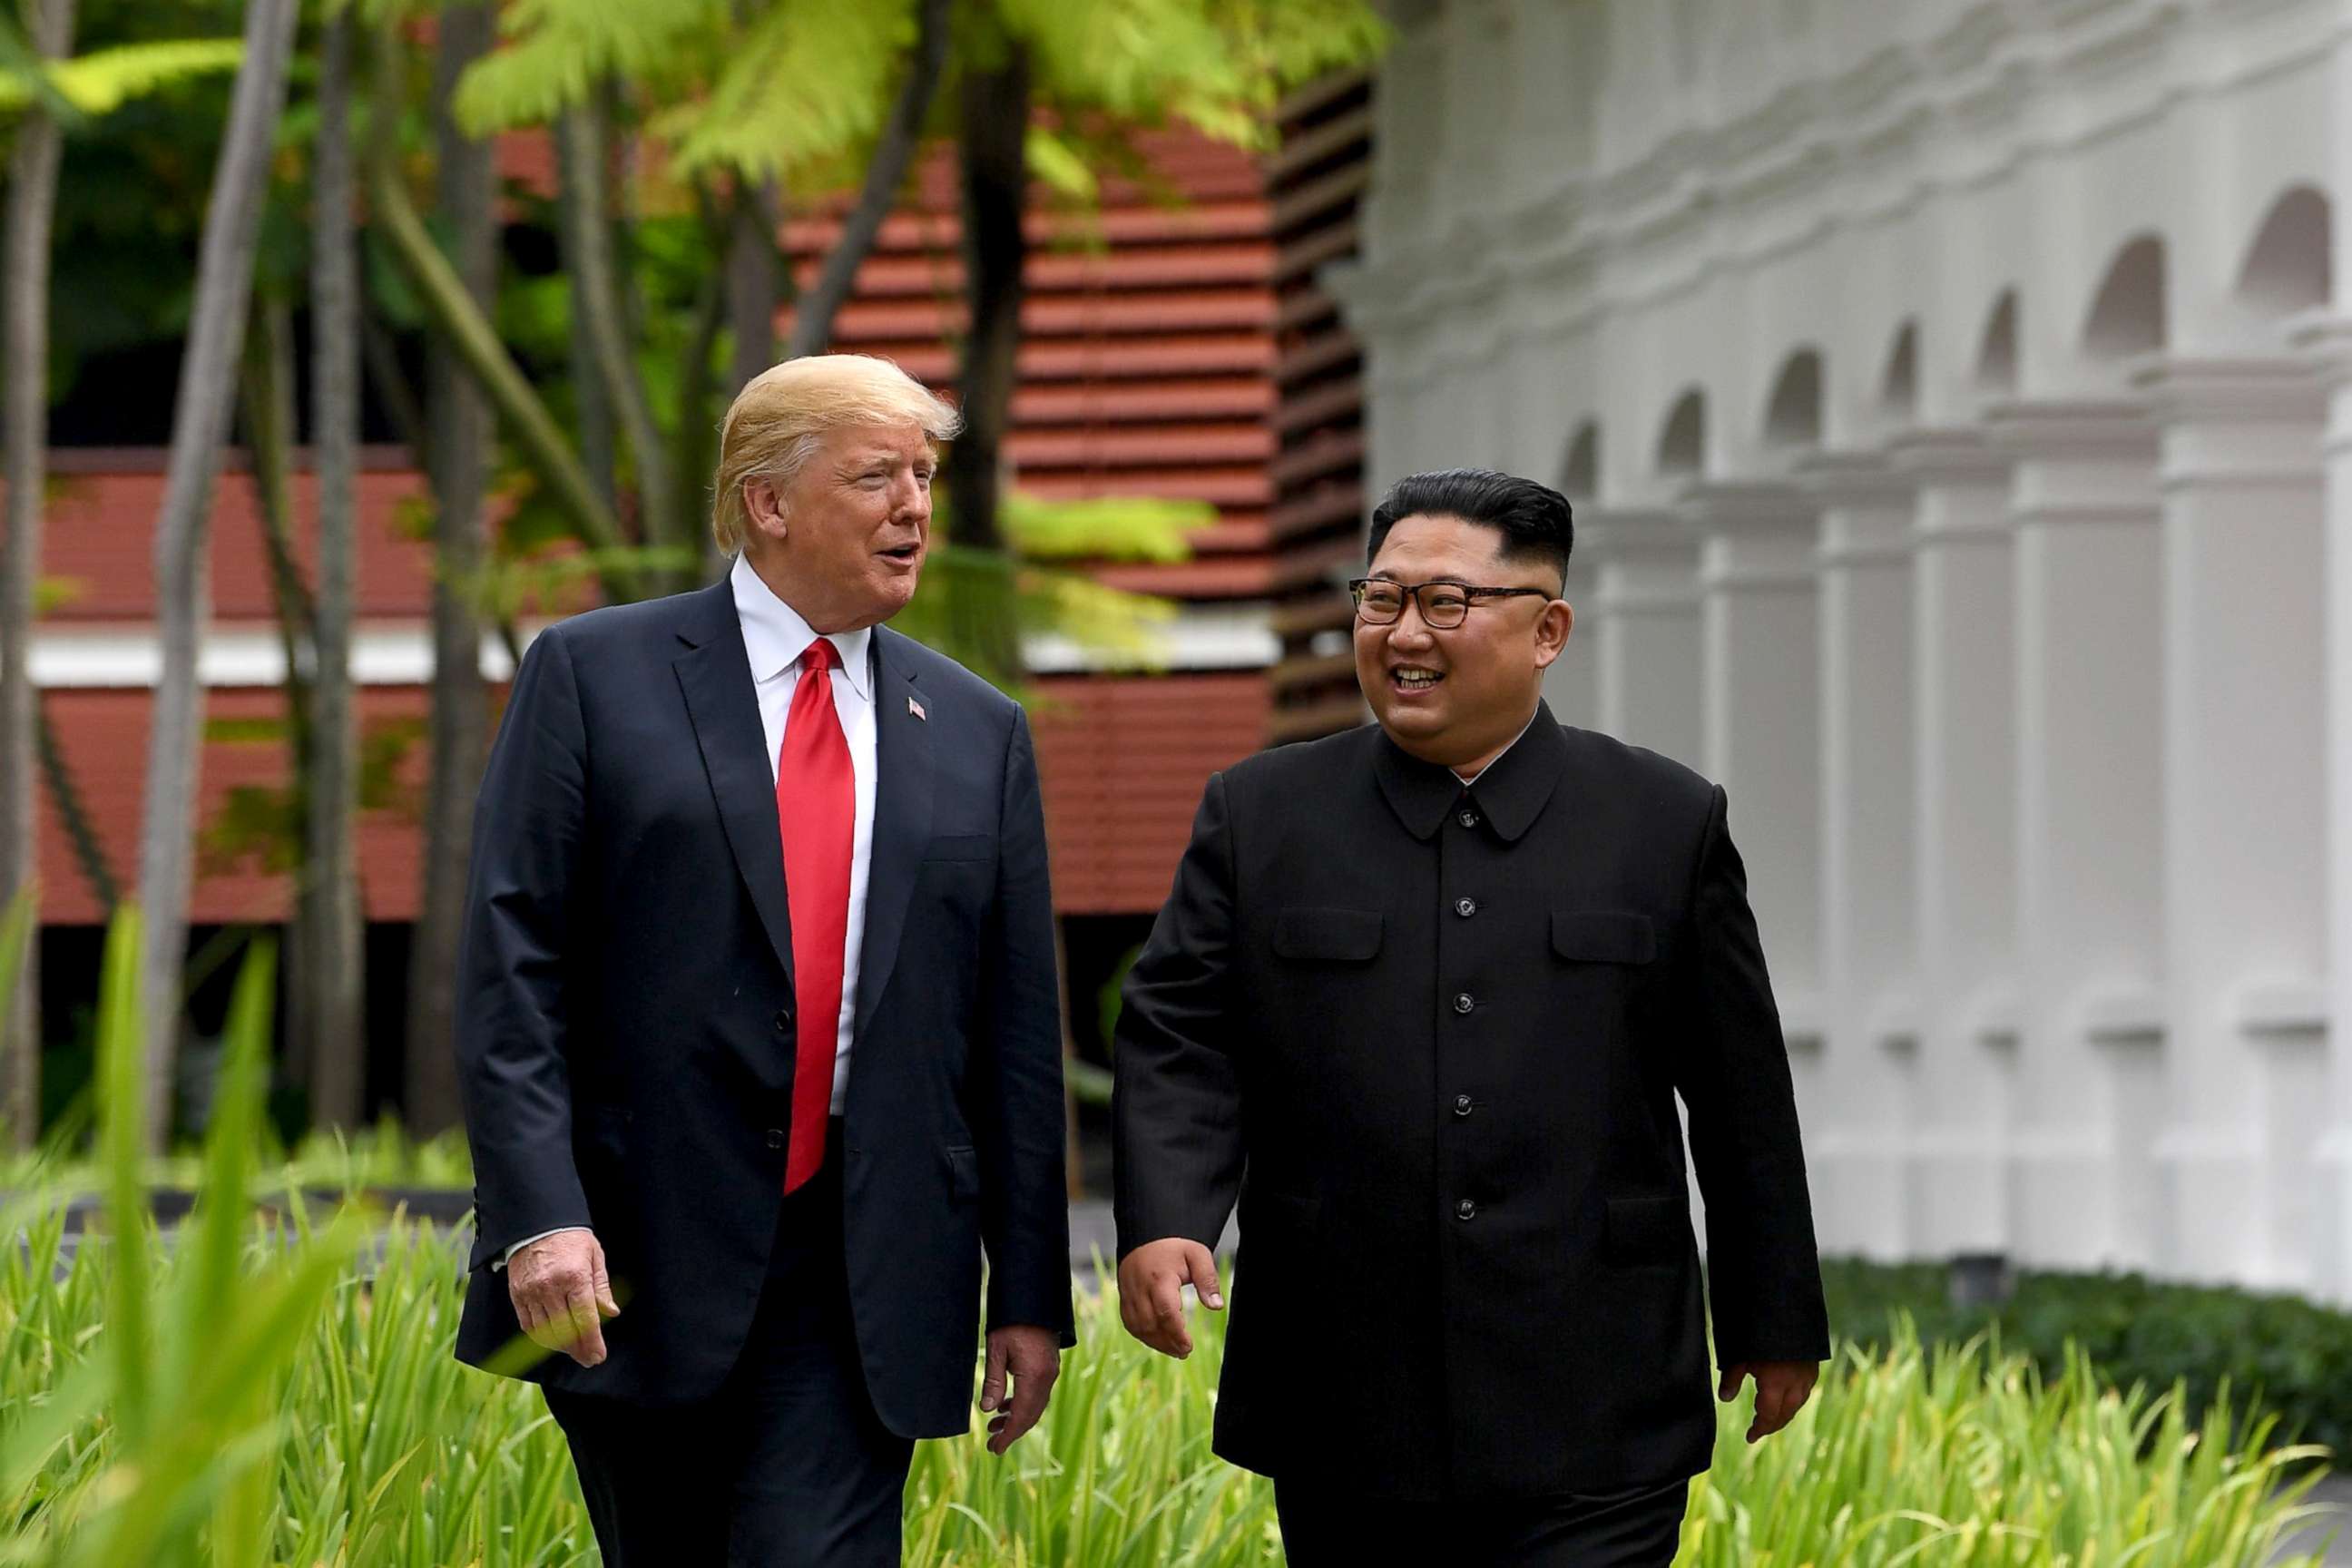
916 709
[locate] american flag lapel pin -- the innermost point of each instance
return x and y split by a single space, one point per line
916 709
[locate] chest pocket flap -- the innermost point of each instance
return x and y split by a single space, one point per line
1603 936
1328 936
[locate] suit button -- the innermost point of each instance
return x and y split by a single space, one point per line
1466 1209
776 1137
783 1020
1461 1105
1467 817
1465 908
1463 1003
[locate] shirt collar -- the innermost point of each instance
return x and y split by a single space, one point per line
1512 790
774 634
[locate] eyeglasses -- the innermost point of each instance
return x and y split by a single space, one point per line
1444 606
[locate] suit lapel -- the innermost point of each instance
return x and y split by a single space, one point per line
905 774
715 675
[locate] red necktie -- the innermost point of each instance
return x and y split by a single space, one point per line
816 807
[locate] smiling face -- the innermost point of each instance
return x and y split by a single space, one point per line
1458 696
843 540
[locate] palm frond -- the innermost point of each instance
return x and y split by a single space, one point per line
556 51
102 80
807 81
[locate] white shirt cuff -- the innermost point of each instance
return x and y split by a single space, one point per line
508 1257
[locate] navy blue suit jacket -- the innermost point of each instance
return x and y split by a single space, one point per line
626 1012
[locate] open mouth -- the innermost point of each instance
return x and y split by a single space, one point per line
905 554
1414 677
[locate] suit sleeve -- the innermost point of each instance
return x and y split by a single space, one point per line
511 1024
1763 1273
1024 1194
1176 1097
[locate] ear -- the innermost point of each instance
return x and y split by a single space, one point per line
764 510
1553 625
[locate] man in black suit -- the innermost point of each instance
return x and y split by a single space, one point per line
1422 999
758 1027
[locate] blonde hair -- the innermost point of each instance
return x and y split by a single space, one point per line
776 422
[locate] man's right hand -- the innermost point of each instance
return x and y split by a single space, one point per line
1151 1281
561 1294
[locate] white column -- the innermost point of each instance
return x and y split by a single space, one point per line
1859 1147
1572 684
2244 804
2090 892
1964 838
2331 343
1759 612
1645 630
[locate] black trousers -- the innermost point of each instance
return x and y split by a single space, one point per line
1634 1528
788 1466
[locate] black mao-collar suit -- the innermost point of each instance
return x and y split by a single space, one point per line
1430 1036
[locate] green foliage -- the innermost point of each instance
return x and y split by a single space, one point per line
103 80
141 1382
389 1452
1970 1454
2294 1357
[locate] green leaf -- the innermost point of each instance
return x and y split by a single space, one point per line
103 80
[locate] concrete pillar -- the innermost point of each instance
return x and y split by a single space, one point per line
1644 624
1759 621
2090 892
1964 842
1572 684
1859 1147
2244 800
2330 344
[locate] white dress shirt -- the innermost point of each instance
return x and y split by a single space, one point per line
774 637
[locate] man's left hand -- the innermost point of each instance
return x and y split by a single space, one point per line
1781 1389
1034 1358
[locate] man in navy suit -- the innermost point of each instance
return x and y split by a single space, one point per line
758 1028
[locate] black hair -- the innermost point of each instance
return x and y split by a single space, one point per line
1536 522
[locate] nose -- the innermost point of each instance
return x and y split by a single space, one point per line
909 497
1409 628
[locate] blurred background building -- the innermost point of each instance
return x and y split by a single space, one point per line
1946 391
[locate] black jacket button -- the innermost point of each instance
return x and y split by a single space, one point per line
1463 1003
1466 1209
1465 908
1461 1105
783 1020
776 1138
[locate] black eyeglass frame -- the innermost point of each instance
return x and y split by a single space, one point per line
1470 593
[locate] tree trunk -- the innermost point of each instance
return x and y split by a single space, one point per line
813 321
459 447
993 128
32 203
462 324
335 950
594 421
199 422
754 281
265 399
597 308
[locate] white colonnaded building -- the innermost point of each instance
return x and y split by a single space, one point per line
1958 401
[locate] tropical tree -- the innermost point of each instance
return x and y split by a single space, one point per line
459 446
332 949
32 198
223 285
50 92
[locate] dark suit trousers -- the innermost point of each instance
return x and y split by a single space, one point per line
1634 1528
788 1466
